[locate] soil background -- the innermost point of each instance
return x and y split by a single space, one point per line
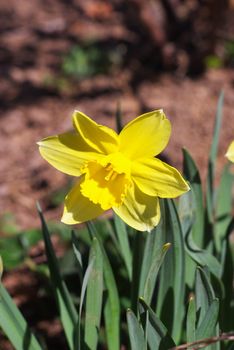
155 56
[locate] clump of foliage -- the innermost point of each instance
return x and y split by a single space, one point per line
152 290
85 62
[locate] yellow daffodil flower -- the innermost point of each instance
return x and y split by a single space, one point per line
115 171
230 152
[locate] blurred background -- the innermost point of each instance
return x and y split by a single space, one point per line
61 55
57 56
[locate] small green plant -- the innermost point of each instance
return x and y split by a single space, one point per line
213 61
8 224
84 61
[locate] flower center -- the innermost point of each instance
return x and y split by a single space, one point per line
106 181
111 174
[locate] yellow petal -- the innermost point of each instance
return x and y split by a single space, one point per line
157 178
78 208
139 210
230 152
145 136
101 138
66 152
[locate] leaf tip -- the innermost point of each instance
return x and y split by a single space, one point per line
166 247
1 267
38 207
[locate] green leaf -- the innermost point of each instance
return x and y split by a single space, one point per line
78 256
200 256
1 267
156 263
170 300
223 207
67 311
12 251
204 294
138 248
195 211
212 160
191 321
94 297
227 306
112 306
156 332
118 118
208 324
122 234
82 297
205 297
136 333
153 244
192 174
14 325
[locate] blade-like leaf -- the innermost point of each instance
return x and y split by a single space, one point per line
208 324
118 118
66 307
205 297
94 297
227 307
82 297
191 321
153 272
14 325
191 173
170 300
223 207
77 253
212 160
200 256
136 333
138 248
156 333
204 294
153 245
1 267
112 306
122 235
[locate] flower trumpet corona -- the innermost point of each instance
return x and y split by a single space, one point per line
117 171
230 152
